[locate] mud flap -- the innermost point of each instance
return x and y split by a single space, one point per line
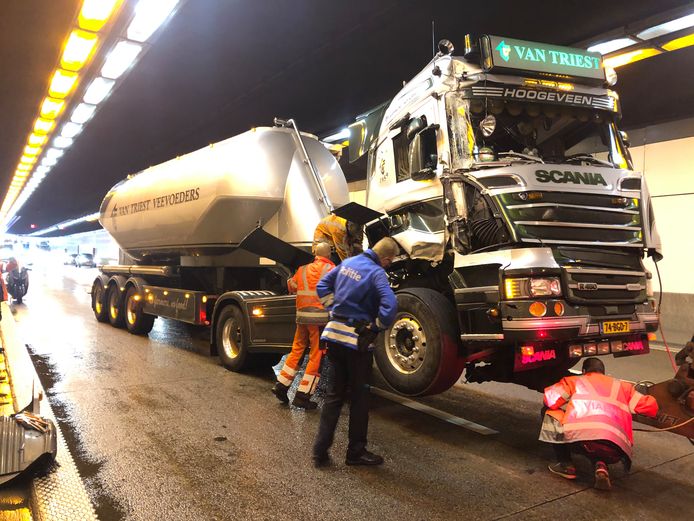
25 449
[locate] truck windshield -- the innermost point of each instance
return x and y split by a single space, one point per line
553 133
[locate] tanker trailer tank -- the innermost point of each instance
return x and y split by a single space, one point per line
205 202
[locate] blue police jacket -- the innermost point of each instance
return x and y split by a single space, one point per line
356 290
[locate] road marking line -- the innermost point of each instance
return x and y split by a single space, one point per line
417 406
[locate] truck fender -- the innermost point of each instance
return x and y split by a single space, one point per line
234 298
138 282
118 281
101 278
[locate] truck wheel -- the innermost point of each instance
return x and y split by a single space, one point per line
136 320
99 301
419 354
232 339
114 299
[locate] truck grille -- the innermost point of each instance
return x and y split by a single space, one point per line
595 286
574 218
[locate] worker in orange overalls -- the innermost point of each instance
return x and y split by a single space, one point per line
310 317
591 414
345 236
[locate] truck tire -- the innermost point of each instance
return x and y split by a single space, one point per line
137 321
419 354
99 301
232 339
114 306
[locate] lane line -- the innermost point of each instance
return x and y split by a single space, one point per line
436 413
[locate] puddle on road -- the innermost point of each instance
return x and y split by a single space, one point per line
107 508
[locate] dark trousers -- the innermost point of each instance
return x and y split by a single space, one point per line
351 369
594 450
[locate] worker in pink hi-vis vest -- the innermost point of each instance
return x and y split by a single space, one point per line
591 415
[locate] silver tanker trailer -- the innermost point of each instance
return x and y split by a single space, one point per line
209 238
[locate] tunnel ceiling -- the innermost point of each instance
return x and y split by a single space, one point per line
220 67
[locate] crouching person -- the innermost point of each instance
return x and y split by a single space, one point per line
310 317
591 415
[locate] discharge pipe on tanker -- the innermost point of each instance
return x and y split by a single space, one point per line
290 123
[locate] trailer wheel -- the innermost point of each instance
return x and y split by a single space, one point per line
232 339
99 301
114 300
419 354
136 320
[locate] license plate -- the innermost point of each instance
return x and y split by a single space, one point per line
615 327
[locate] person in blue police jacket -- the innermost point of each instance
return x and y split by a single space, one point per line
361 303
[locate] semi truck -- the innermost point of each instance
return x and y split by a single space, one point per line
501 173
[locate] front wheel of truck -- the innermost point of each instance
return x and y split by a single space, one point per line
420 353
232 339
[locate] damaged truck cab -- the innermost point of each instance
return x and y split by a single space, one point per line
508 185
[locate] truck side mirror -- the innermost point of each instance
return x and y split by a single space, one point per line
414 127
423 154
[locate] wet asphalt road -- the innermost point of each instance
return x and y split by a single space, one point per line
160 431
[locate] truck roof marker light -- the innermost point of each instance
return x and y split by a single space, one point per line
98 90
78 50
679 43
62 83
82 113
666 28
62 142
149 16
612 45
51 108
95 13
120 59
630 57
70 130
43 126
538 309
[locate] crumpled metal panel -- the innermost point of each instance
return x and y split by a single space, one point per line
20 447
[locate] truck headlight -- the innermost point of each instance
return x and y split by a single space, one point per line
529 287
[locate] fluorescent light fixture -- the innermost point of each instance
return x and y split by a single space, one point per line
149 15
62 142
339 136
48 161
31 151
95 13
667 27
70 130
50 108
78 49
120 59
62 83
630 57
82 113
27 160
42 170
36 139
43 126
98 90
54 153
23 168
612 45
679 43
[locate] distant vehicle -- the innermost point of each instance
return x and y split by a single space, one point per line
85 260
70 259
17 279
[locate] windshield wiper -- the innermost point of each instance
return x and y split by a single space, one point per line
589 159
525 157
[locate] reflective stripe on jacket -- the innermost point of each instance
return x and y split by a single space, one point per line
598 407
309 309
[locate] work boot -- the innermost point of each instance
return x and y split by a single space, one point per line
364 458
602 476
303 401
280 390
565 470
321 461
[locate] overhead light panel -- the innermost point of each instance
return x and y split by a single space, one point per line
612 45
667 27
95 13
23 168
62 83
43 126
48 161
120 59
54 153
50 108
679 43
630 57
78 49
149 15
98 90
28 160
37 139
31 151
82 113
70 130
62 142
